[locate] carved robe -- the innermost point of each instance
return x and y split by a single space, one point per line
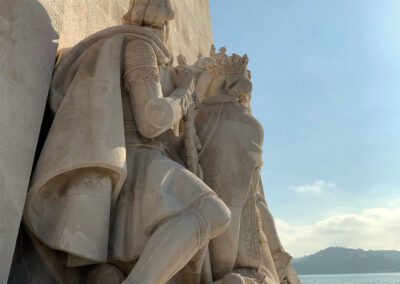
231 159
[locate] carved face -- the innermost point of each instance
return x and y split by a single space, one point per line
152 13
238 84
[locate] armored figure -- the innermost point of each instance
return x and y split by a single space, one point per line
108 187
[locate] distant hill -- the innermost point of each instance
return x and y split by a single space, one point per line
337 260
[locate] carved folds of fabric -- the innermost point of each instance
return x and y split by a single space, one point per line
252 226
203 227
257 275
140 63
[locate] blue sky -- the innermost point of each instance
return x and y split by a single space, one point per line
326 87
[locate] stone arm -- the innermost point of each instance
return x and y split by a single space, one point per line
153 113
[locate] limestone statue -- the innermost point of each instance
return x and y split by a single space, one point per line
110 188
231 159
139 182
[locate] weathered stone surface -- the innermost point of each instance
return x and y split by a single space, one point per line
190 31
26 64
85 17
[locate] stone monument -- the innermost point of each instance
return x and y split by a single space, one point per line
150 171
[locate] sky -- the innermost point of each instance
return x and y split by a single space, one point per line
326 87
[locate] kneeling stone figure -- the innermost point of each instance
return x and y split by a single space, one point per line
106 188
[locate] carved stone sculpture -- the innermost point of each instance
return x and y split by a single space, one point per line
125 191
106 188
231 159
153 14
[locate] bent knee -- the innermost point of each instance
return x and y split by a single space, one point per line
217 213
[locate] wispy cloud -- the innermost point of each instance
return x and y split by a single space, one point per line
316 187
374 228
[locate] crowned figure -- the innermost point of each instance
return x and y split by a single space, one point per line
231 158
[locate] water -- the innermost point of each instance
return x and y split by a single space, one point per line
367 278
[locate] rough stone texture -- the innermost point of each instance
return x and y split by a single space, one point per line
26 63
85 17
190 31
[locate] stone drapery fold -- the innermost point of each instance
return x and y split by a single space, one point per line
87 134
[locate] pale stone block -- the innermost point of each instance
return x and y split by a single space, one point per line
190 31
27 58
85 17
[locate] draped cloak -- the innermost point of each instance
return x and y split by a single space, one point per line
87 133
231 159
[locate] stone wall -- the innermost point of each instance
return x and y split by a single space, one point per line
191 31
85 17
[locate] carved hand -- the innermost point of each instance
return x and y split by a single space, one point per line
183 78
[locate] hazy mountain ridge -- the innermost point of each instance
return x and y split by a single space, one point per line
338 260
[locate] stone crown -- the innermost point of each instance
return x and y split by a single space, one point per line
225 64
